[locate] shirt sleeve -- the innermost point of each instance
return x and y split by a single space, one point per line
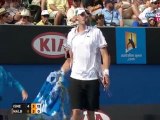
70 38
119 15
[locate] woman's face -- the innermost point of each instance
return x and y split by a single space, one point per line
4 17
152 22
76 3
110 6
154 5
45 18
25 19
100 21
14 4
148 3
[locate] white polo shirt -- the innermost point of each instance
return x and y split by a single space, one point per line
86 52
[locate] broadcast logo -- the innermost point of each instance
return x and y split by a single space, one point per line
26 108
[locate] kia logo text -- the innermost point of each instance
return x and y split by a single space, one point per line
49 44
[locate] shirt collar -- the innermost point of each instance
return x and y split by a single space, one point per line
88 28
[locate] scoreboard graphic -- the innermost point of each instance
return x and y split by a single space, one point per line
26 108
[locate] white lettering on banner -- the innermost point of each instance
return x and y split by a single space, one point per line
98 116
49 44
131 57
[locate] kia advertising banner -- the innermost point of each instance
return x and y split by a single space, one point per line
131 45
40 44
32 45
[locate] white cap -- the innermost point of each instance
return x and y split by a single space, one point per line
44 12
25 12
79 11
152 1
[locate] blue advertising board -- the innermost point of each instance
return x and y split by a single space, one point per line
130 84
131 45
125 81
